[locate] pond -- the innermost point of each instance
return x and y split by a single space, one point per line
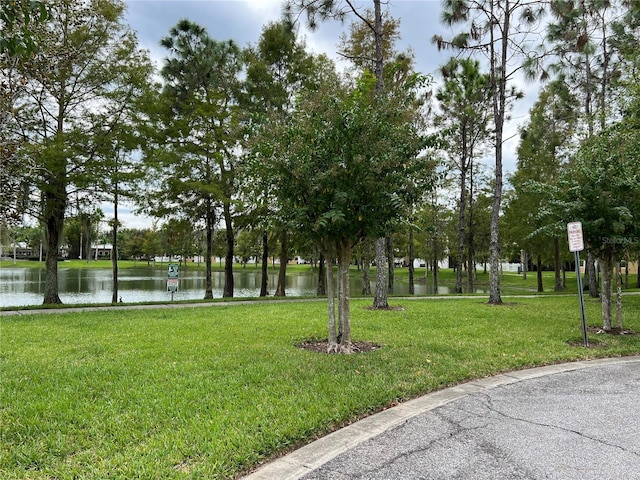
25 286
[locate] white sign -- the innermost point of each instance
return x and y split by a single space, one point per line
172 284
574 231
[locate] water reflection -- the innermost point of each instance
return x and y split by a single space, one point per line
25 286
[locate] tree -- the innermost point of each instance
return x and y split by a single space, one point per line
497 29
179 238
581 36
583 40
277 68
133 244
151 245
543 153
17 48
433 239
72 84
327 185
249 245
195 153
602 192
118 174
360 48
339 9
464 121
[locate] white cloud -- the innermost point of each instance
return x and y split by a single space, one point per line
271 8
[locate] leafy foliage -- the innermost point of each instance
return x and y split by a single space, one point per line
607 189
543 154
348 165
78 88
16 18
501 32
193 153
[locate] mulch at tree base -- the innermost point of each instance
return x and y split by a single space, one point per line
613 331
321 346
388 309
600 331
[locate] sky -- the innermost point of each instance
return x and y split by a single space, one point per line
243 20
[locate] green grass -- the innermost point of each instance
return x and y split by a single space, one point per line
512 283
209 392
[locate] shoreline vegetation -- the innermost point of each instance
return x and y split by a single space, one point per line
212 392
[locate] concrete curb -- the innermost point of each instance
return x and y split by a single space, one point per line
310 457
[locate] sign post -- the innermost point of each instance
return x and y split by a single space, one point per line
172 278
576 245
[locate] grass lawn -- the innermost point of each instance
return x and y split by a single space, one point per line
210 392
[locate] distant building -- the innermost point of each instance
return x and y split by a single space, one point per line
101 252
19 251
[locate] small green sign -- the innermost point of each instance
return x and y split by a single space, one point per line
173 271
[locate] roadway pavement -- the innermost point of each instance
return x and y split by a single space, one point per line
572 421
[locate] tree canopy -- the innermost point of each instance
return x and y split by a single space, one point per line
344 167
78 87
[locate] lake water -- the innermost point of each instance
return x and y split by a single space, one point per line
25 286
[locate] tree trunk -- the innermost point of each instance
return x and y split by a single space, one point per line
366 264
54 204
411 267
51 264
282 272
264 267
626 270
471 263
87 245
494 246
380 299
638 273
558 287
392 262
114 250
618 297
344 300
321 290
435 273
606 262
264 277
524 261
462 203
332 346
498 72
471 269
539 273
228 259
592 276
208 292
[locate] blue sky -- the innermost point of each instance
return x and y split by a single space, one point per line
242 21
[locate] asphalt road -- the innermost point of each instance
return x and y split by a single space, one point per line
571 421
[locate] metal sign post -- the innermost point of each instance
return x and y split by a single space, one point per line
172 278
576 245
